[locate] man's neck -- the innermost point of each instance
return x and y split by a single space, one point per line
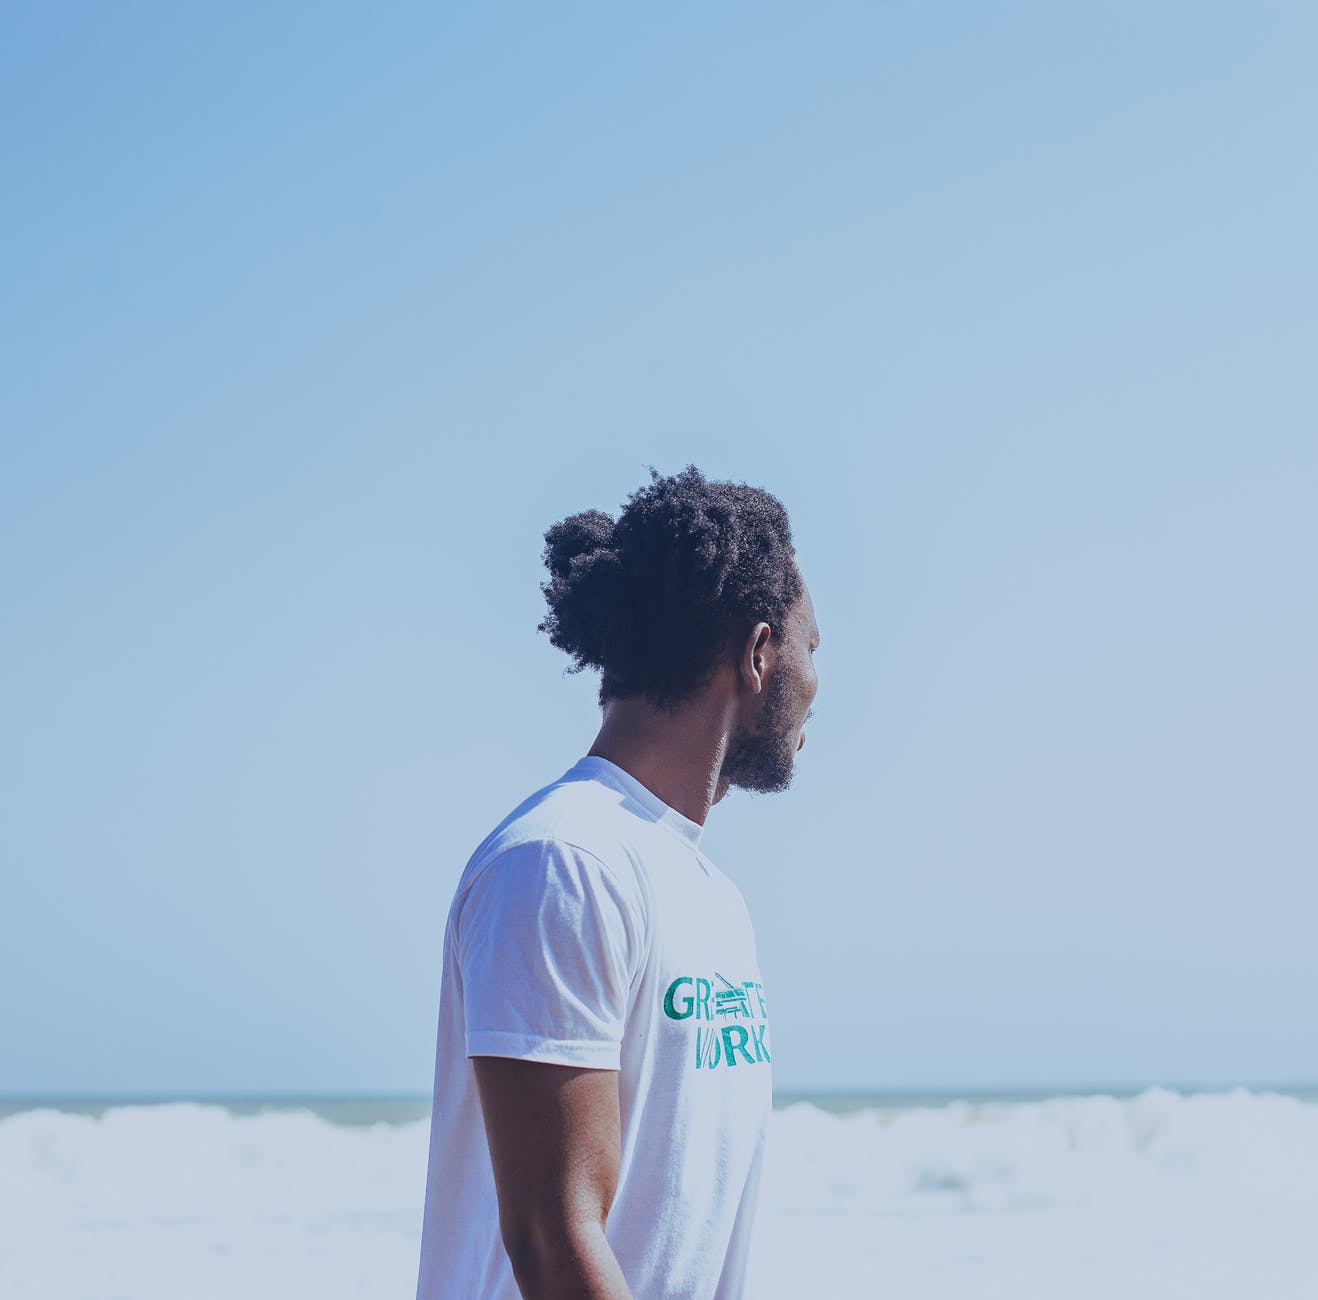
677 756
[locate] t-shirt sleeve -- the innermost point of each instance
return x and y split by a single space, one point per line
548 942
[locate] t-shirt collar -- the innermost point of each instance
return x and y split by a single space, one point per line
601 769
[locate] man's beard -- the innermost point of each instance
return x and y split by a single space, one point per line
762 760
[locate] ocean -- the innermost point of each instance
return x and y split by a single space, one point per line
1154 1193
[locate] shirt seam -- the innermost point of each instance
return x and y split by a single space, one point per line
645 919
600 1046
656 818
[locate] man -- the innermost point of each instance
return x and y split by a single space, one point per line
602 1065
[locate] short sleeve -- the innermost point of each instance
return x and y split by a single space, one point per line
548 942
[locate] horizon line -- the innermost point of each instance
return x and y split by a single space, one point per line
840 1092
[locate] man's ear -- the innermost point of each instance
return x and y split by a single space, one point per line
755 657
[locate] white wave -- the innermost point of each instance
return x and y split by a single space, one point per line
1164 1196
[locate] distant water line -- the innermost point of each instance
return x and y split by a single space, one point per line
365 1109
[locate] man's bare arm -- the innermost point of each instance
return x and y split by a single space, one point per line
555 1143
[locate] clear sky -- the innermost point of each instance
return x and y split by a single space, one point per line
316 315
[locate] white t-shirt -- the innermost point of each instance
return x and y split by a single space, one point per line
588 929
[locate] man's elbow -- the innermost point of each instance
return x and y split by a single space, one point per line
551 1252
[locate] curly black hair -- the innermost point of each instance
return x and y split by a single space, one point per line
657 599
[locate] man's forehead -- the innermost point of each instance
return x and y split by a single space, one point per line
806 613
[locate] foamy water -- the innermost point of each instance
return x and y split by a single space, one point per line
1162 1195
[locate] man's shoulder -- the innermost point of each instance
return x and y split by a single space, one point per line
570 813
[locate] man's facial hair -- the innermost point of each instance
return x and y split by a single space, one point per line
762 760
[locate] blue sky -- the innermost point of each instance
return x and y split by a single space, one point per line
315 316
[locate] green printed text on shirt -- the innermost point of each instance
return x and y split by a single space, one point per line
731 1019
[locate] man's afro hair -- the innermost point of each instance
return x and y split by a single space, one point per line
657 599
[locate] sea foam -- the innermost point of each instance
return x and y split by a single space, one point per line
1161 1195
